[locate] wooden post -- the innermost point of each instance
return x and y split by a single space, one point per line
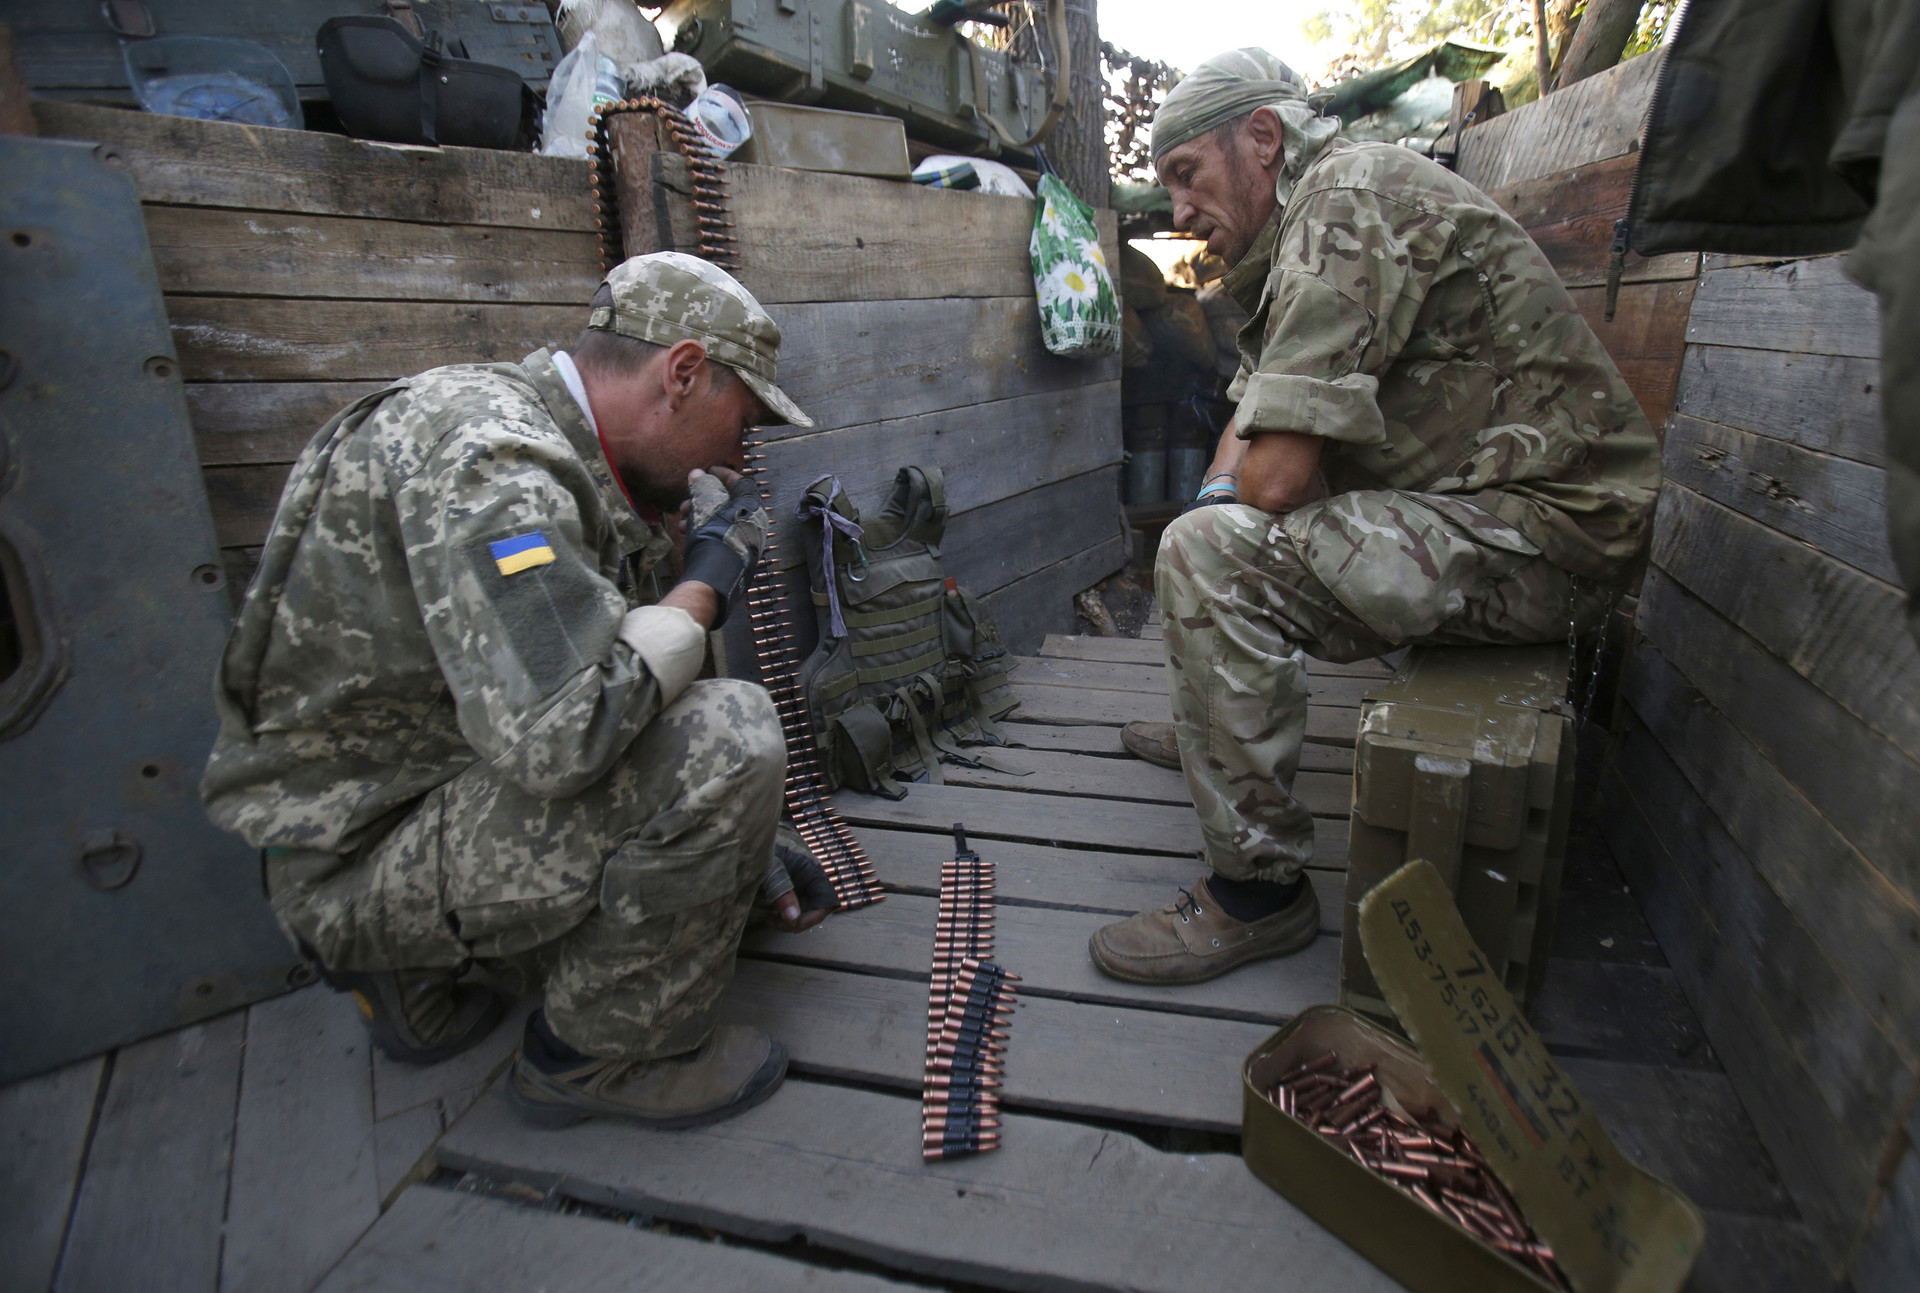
654 188
1474 102
1078 148
1542 48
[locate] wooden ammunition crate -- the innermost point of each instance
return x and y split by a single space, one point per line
1465 758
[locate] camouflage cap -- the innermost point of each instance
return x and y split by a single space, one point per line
669 296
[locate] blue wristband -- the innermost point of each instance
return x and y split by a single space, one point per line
1222 488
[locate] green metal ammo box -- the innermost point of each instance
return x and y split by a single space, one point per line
1465 758
862 56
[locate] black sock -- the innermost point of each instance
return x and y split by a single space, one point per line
1252 899
542 1044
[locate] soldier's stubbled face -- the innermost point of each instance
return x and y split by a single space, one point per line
679 412
1222 182
706 430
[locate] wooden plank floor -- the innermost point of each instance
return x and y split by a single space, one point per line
271 1150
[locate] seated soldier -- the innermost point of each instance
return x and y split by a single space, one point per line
461 717
1429 446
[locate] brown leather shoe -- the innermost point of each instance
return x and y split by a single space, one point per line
737 1068
1194 940
1153 742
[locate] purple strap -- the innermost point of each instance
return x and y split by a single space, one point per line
830 521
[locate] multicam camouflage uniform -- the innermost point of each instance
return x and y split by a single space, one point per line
447 754
1491 475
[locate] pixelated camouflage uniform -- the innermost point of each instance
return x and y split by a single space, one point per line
1491 475
446 761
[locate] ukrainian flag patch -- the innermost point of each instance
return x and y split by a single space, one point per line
522 552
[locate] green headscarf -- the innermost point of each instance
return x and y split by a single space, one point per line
1232 84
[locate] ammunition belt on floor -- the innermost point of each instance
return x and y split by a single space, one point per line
969 999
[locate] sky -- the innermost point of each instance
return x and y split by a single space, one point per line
1208 27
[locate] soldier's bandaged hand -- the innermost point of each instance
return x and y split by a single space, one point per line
726 529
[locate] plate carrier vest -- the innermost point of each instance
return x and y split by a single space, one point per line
913 671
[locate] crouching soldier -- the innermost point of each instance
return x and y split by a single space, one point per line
460 716
1430 445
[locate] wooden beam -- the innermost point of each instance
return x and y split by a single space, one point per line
1570 215
852 362
1047 947
843 1168
1829 403
1836 504
1067 1057
304 1178
184 162
1848 772
1646 337
155 1190
1040 603
262 339
1853 912
207 251
1038 875
810 236
989 452
1334 690
447 1239
1582 124
1843 631
1803 306
44 1122
1054 820
245 423
1821 1162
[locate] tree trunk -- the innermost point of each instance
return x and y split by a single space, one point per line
1078 145
1602 35
1542 51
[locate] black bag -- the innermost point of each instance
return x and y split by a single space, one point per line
388 84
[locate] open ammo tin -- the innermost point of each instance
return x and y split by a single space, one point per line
1614 1227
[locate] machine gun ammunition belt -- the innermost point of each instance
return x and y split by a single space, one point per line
708 172
970 1000
773 636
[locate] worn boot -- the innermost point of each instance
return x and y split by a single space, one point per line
1195 940
421 1016
1153 742
552 1086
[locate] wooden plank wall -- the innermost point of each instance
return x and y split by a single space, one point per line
1764 792
1761 797
303 270
1563 167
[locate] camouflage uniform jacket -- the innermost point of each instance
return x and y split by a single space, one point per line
1396 310
386 645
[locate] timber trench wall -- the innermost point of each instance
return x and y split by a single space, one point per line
302 270
1763 794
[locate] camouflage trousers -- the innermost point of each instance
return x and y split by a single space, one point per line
1246 596
630 897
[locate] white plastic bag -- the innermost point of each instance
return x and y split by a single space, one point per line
994 177
582 79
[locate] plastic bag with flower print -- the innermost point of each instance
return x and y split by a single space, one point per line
1079 310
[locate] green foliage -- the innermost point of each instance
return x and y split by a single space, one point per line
1655 17
1383 31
